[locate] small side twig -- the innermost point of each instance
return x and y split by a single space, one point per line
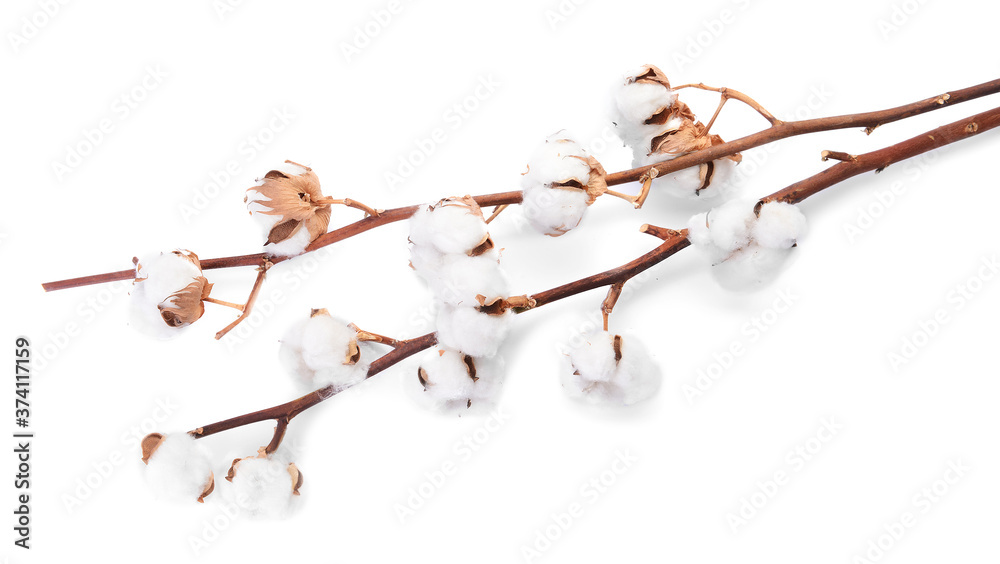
246 309
837 156
727 93
614 292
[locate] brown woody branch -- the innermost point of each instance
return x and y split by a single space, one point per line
778 131
674 241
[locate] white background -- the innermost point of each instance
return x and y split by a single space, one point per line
354 117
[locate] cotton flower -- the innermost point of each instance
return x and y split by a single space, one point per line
453 382
290 207
658 127
478 331
561 181
176 467
747 250
322 350
607 369
265 485
167 294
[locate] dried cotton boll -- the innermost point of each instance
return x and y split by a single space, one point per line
290 207
642 103
176 467
472 331
453 382
265 486
167 294
747 251
453 225
610 370
561 181
323 350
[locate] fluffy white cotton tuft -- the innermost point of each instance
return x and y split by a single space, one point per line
747 251
450 226
459 279
263 487
471 331
179 469
323 350
690 183
157 278
599 374
554 211
452 382
634 104
779 225
551 208
290 247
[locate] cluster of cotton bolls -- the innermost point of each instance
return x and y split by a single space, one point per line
657 126
562 180
167 294
606 369
747 249
322 350
290 208
178 469
451 249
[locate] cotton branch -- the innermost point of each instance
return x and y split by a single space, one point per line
674 241
776 132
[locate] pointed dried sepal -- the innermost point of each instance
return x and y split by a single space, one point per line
149 445
297 478
209 488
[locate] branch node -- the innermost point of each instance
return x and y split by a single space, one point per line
943 99
837 155
972 127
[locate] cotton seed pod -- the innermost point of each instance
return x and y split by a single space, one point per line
562 179
607 369
452 225
322 350
291 207
168 293
176 467
265 483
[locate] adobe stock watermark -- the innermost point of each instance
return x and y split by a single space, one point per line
462 450
560 12
367 32
750 332
223 8
955 300
454 118
796 459
86 312
899 15
29 26
711 30
922 502
591 492
103 468
884 199
245 154
122 107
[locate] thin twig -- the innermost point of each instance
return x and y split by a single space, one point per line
257 285
727 93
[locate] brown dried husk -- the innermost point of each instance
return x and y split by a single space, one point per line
186 306
149 444
293 198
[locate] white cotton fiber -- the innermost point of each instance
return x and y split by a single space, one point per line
634 104
779 225
460 278
157 278
179 468
317 351
747 251
554 210
262 487
593 374
444 382
292 246
450 226
473 332
687 182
